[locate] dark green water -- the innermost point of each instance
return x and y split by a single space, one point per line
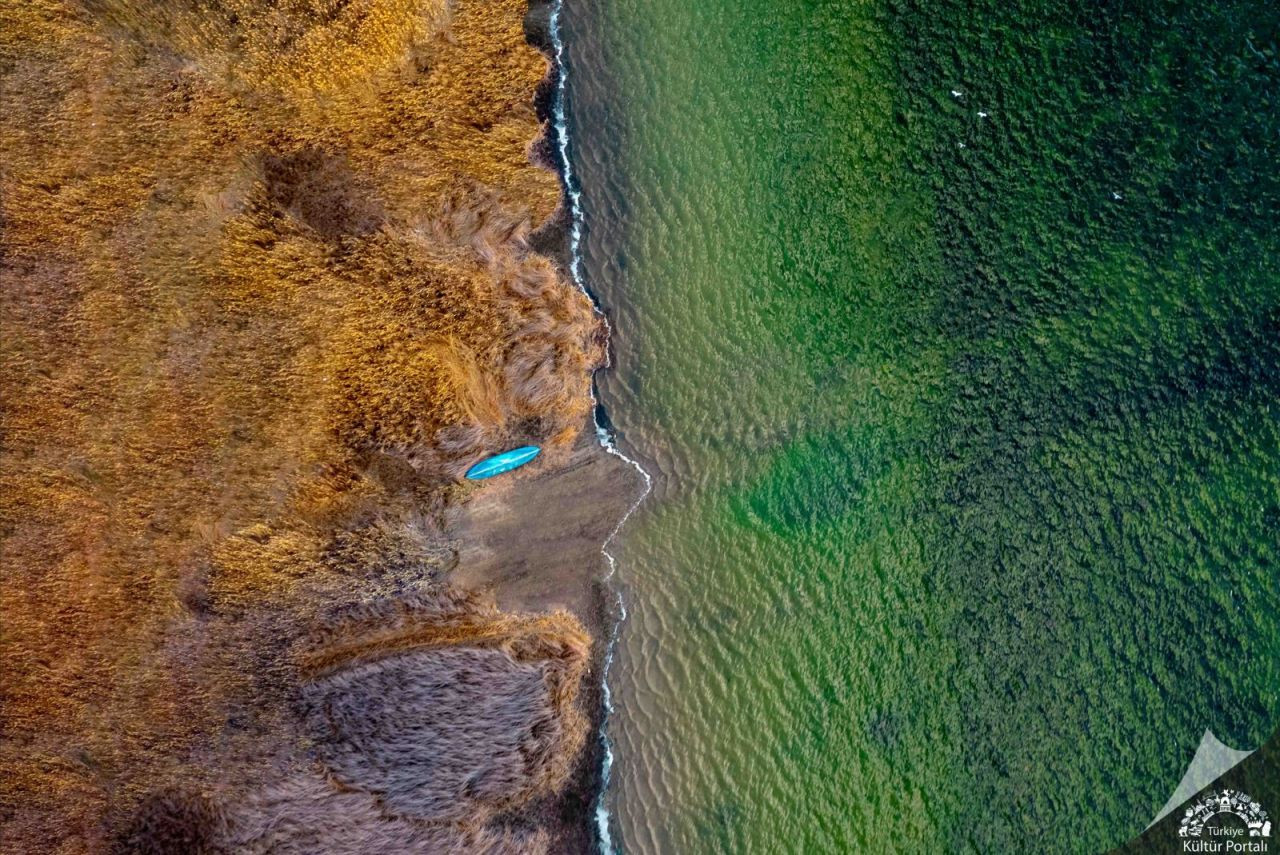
965 426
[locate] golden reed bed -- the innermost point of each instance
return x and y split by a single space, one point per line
267 290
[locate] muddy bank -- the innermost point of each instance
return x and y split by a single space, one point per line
533 544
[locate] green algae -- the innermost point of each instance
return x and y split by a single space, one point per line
955 332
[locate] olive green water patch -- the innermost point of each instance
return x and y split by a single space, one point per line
953 331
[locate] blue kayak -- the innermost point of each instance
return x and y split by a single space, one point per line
504 462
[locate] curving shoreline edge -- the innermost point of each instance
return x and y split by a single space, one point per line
569 223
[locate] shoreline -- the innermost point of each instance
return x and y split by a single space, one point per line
558 240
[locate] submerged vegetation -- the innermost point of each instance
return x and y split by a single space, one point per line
954 329
267 290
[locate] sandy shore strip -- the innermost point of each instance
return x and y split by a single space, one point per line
534 544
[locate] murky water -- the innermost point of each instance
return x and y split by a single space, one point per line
951 332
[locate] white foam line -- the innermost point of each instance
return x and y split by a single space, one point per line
606 440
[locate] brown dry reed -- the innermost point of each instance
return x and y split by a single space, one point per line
266 292
444 708
430 716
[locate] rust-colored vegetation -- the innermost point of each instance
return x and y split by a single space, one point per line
475 709
266 292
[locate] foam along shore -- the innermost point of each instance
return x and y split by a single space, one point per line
638 475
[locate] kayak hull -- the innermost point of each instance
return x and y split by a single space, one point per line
504 462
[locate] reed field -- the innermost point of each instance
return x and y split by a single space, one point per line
267 291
